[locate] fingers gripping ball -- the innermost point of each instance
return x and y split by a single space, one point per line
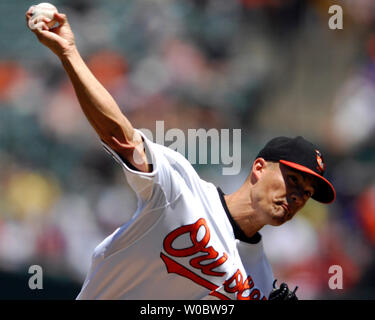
283 293
39 12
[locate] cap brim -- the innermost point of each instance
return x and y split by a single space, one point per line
324 192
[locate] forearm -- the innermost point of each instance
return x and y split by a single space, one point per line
97 104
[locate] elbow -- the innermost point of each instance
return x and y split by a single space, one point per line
117 136
118 144
132 152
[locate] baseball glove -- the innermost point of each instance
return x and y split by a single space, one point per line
283 293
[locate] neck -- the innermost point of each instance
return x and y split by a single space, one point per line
240 207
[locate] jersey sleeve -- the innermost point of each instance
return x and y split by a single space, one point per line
170 173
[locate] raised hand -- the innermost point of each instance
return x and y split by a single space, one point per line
59 39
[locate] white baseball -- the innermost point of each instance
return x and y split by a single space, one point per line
40 11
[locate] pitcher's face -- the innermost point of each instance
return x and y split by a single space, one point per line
280 191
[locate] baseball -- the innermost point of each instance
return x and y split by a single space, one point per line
40 11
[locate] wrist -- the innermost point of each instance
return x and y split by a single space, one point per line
68 57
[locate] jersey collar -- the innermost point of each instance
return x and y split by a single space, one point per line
238 233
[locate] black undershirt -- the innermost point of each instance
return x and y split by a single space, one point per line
238 233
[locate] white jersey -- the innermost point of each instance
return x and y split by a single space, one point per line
179 244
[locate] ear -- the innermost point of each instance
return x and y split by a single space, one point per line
257 169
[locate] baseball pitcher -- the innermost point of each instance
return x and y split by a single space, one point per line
187 239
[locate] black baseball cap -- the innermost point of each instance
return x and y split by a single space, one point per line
302 155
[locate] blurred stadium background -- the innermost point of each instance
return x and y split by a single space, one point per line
269 67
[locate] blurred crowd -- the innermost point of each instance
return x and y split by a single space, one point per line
268 67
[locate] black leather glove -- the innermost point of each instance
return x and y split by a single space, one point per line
283 293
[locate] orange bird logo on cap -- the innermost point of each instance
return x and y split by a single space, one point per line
320 161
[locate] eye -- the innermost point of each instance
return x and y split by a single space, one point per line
308 193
